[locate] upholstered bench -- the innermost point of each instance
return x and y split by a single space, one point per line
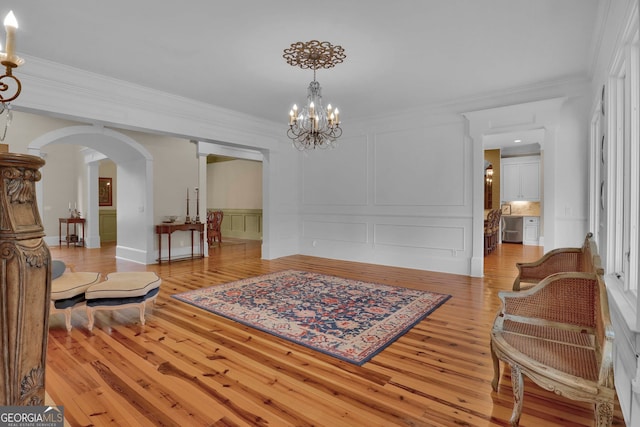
122 289
68 289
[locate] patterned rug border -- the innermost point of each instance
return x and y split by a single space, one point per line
357 361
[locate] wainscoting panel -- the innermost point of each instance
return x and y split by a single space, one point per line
436 244
337 231
108 225
426 237
242 223
434 173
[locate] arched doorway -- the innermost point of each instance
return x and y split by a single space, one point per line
135 200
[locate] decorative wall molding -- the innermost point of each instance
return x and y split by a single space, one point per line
435 166
336 231
345 183
241 223
447 238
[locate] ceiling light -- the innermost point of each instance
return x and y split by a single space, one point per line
517 140
313 126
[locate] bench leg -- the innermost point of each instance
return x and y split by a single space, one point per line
518 392
67 318
90 317
141 308
496 369
604 413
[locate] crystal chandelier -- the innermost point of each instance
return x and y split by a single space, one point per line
10 86
314 126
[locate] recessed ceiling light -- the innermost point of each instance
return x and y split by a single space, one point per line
517 140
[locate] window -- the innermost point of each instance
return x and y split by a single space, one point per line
620 158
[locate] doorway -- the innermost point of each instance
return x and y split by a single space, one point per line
501 152
134 165
234 186
108 202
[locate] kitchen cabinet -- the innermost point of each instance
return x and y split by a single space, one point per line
531 231
520 179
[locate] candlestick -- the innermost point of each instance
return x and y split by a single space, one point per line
197 191
187 220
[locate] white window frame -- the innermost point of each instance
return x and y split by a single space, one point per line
621 173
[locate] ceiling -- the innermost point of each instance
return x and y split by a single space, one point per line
401 55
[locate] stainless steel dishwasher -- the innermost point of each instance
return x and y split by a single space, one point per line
512 227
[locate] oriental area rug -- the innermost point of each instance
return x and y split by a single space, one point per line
347 319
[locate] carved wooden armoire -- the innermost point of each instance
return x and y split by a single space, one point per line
25 283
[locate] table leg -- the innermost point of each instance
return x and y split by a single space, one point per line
191 244
68 234
59 234
159 248
169 247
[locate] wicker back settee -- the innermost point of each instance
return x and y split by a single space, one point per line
558 261
559 334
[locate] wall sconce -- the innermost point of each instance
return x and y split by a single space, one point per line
10 86
8 82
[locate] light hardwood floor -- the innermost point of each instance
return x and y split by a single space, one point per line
187 367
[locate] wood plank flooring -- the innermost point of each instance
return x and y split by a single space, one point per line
187 367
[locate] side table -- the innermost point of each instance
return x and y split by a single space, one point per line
70 237
169 228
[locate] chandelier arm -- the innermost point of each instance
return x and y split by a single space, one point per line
5 86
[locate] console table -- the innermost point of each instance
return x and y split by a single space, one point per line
168 228
68 237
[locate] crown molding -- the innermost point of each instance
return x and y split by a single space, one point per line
56 89
568 87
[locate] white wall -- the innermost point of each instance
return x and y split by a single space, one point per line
571 172
60 167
